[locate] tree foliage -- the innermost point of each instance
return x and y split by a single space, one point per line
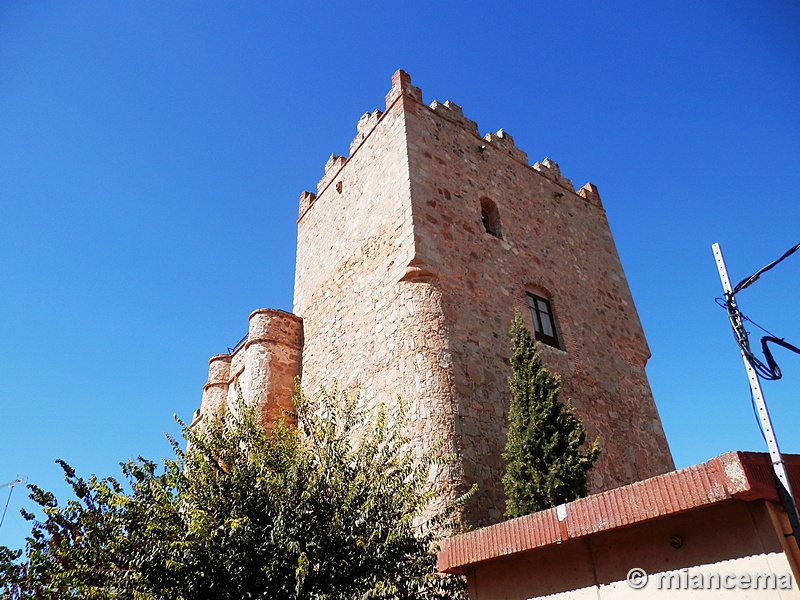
327 510
545 463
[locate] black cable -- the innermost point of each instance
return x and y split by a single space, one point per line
748 281
721 303
771 364
769 371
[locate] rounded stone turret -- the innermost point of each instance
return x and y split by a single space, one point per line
215 391
272 363
219 369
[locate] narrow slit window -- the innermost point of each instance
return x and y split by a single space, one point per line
491 218
544 326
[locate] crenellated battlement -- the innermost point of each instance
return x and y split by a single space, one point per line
306 200
365 125
589 193
550 169
332 168
503 140
452 111
401 86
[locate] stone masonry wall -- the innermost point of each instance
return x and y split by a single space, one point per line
402 292
555 243
263 368
372 321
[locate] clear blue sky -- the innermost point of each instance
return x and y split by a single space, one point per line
152 155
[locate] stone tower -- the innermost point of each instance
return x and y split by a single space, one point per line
411 259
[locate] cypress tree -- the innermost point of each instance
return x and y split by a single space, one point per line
545 463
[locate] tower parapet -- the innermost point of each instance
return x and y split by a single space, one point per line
306 200
589 193
452 112
364 126
502 139
550 169
401 86
332 168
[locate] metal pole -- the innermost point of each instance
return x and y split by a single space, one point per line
10 485
784 487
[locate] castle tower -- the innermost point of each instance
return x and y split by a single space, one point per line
411 259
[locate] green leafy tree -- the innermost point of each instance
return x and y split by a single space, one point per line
337 508
546 465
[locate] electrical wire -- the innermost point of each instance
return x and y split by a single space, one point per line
769 371
748 281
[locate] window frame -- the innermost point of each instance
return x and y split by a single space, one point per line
541 309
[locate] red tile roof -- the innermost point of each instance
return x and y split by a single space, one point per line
742 475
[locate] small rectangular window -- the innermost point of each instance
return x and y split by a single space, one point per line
544 327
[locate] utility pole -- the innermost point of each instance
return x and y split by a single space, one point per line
784 487
10 485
